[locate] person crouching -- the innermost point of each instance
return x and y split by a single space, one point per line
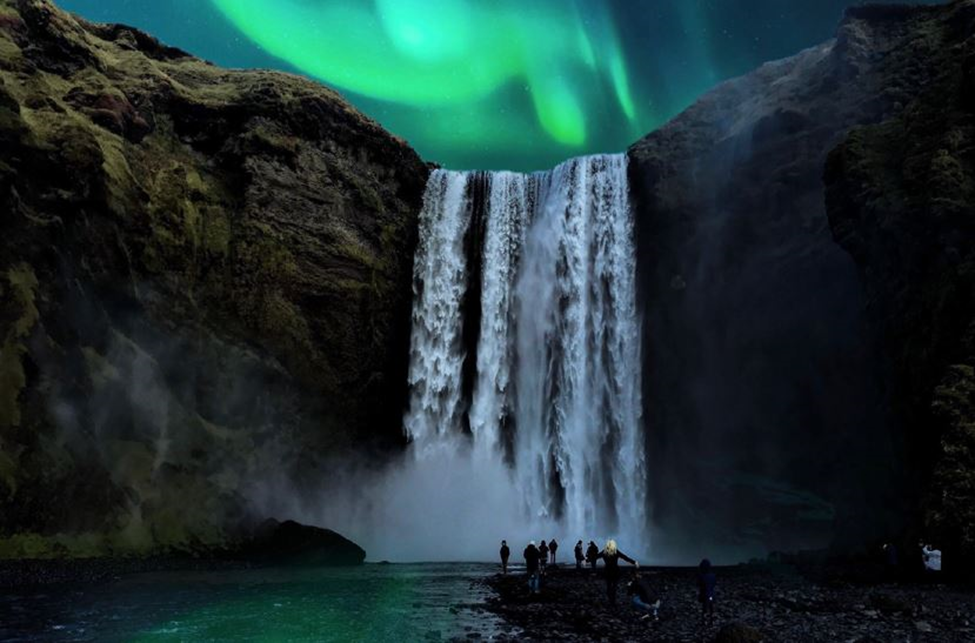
643 598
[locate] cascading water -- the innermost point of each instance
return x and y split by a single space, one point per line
553 408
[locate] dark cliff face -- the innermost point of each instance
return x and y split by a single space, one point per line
205 283
769 422
901 200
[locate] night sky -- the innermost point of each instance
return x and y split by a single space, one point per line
491 84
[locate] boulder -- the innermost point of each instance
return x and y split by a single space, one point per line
292 542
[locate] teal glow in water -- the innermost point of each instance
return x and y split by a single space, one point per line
502 84
371 603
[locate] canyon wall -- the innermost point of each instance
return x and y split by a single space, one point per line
205 277
772 395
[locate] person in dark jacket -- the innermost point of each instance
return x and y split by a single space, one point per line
706 582
543 550
505 555
553 547
592 554
643 597
532 557
579 555
611 557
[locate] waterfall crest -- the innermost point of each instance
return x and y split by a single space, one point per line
553 405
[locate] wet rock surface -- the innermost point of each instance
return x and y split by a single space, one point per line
753 604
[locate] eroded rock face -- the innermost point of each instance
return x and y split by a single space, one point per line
769 416
901 200
205 283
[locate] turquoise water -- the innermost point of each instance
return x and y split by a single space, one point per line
421 602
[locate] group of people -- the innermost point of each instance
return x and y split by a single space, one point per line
542 555
642 596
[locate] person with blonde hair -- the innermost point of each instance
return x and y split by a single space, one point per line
611 557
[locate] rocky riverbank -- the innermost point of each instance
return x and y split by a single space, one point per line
754 604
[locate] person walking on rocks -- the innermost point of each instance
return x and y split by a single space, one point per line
592 554
706 581
532 556
611 557
579 555
543 551
505 555
553 547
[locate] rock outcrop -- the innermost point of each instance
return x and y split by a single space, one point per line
767 395
290 542
205 283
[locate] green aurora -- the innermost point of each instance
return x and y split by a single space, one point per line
492 84
454 60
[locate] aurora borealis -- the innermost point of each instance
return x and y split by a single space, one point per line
500 83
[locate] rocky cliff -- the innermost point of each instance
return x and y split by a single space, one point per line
205 282
778 410
901 200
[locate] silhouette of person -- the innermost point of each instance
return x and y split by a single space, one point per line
553 547
532 557
543 550
579 555
505 554
592 554
706 581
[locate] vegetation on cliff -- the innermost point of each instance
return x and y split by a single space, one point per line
901 200
204 286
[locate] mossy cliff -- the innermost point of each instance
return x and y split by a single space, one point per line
901 200
205 282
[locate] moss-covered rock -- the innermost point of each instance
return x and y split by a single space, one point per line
205 282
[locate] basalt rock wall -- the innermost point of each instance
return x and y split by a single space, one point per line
789 377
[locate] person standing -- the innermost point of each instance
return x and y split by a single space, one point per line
553 547
532 556
592 554
706 582
579 555
543 551
611 556
505 554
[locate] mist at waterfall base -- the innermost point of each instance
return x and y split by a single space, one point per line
491 85
524 413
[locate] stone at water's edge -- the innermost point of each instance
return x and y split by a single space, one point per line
291 542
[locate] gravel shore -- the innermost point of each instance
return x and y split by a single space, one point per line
753 604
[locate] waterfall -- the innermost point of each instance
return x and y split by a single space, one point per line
553 405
